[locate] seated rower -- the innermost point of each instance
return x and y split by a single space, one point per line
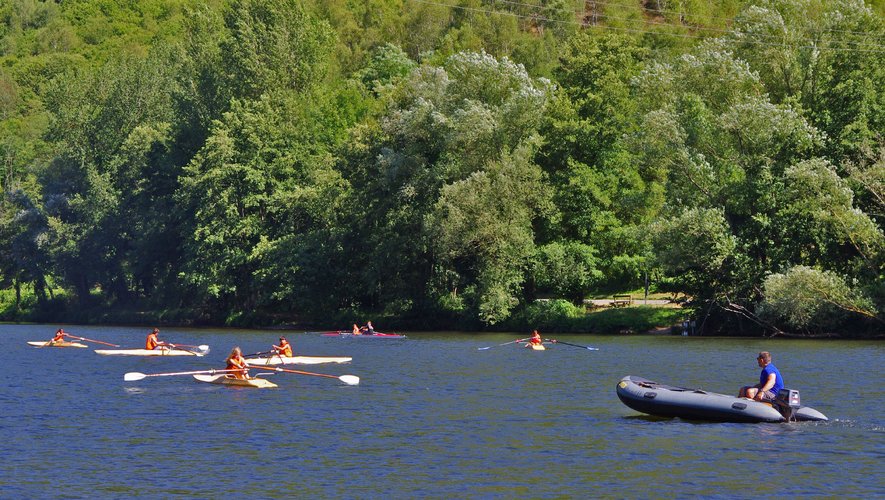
357 330
236 361
152 341
535 339
284 349
59 336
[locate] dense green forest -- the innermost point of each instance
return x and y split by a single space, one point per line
443 163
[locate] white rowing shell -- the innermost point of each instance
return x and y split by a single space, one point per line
146 352
63 343
257 382
296 360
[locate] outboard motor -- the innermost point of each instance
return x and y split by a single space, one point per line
787 402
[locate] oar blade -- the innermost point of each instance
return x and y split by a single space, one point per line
133 376
350 379
203 348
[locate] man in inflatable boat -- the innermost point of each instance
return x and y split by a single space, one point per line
770 381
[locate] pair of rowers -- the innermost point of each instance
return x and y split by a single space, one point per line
239 366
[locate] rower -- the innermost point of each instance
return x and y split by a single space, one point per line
152 342
535 339
284 349
236 361
357 330
59 336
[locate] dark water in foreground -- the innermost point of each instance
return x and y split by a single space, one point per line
432 417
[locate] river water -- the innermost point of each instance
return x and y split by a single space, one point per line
433 416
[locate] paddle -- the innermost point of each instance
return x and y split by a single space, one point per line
133 376
499 345
554 341
263 353
347 379
90 340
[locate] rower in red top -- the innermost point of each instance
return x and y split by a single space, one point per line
535 339
152 342
284 349
59 336
236 361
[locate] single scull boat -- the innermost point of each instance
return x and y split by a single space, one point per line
256 382
160 351
63 343
296 360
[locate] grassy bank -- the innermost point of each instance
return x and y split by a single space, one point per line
563 316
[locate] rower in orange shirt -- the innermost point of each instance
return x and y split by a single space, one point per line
152 342
356 330
236 361
59 336
284 349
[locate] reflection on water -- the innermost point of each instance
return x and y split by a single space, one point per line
432 416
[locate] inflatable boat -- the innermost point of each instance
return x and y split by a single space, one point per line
663 400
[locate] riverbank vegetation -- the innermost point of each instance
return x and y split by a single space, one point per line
444 164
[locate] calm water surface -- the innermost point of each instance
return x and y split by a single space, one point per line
433 417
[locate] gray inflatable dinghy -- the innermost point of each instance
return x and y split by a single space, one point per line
663 400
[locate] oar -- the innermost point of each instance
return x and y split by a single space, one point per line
264 353
133 376
499 345
347 379
203 348
554 341
90 340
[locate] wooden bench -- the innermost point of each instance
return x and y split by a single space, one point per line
621 300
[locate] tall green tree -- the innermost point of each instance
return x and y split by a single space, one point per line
274 44
600 192
826 56
104 123
443 126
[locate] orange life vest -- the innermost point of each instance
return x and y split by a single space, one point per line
151 343
237 363
285 349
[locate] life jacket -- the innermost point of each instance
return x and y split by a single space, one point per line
286 350
237 363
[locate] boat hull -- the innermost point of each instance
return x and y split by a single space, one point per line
297 360
536 347
63 343
662 400
376 335
257 382
146 352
